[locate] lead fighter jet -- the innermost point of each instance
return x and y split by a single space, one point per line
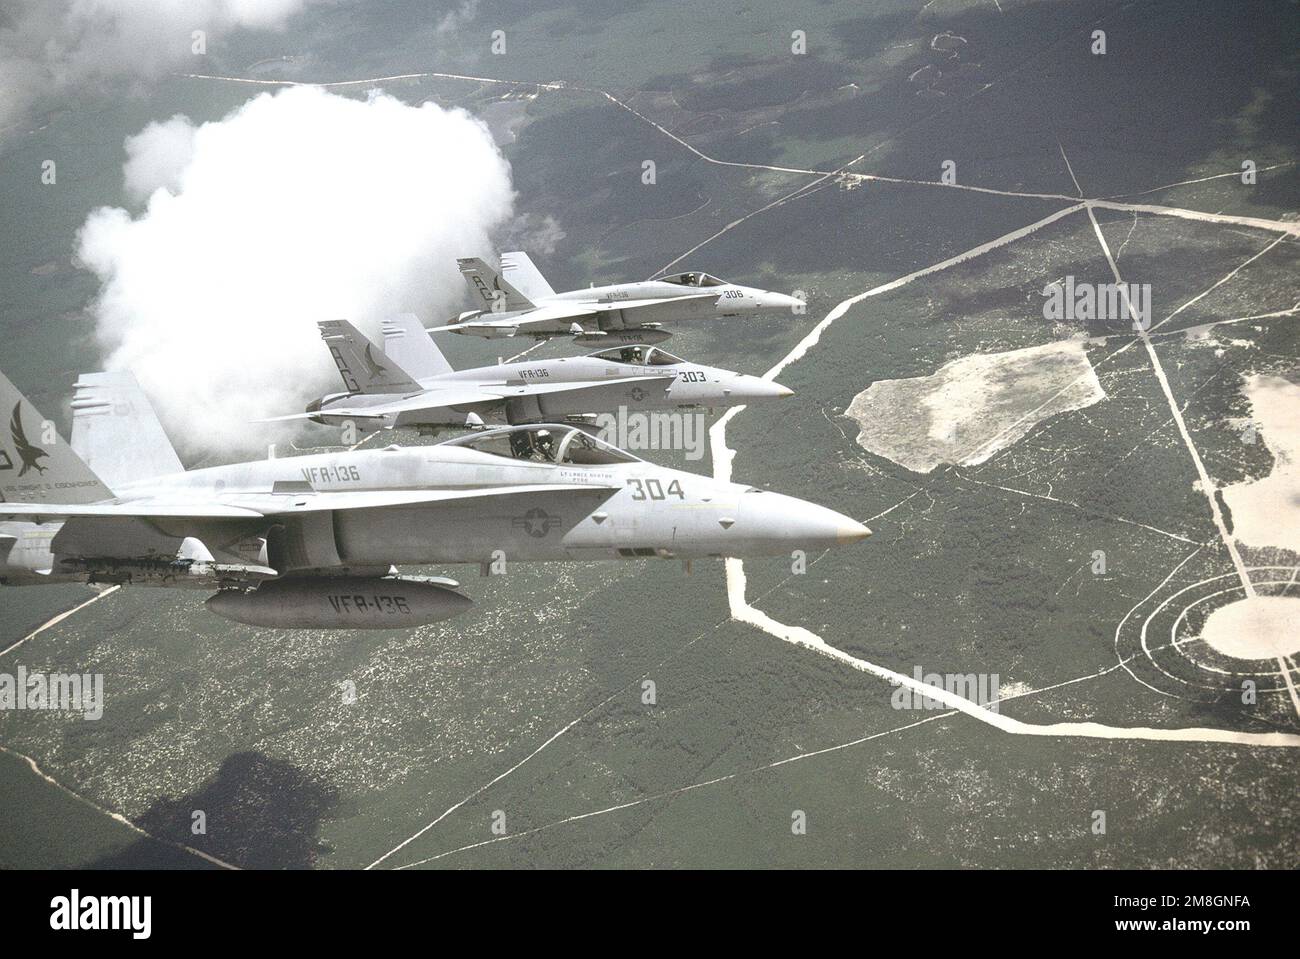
518 301
412 384
315 541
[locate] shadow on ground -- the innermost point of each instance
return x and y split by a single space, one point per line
260 813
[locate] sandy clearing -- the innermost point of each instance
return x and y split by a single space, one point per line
973 406
1258 627
1266 512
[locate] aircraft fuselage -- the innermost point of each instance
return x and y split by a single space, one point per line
649 511
616 385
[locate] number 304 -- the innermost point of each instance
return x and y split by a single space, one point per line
653 489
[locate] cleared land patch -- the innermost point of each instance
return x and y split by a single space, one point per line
1266 512
1258 627
973 406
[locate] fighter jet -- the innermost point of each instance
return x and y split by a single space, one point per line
517 301
412 384
315 541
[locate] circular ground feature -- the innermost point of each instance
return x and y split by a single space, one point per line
1257 627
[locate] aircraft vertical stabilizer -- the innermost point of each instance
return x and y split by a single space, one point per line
494 293
519 269
363 368
408 345
36 466
116 431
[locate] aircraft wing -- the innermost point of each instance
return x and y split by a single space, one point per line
260 505
664 309
428 400
491 392
580 386
507 325
366 414
694 300
554 401
646 310
438 399
279 504
35 512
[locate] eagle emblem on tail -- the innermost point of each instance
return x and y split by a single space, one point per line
29 453
376 371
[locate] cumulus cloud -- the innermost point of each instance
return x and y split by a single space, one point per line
48 47
298 206
157 156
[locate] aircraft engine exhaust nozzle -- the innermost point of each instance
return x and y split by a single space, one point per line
314 408
342 602
465 317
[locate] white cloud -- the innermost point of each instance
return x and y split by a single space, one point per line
48 47
157 156
298 206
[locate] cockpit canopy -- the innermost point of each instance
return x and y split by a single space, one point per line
638 355
693 279
565 445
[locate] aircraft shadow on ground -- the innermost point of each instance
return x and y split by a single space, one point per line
261 813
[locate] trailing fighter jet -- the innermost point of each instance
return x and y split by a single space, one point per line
412 384
517 300
315 541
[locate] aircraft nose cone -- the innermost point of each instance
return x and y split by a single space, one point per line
789 523
756 388
780 301
851 532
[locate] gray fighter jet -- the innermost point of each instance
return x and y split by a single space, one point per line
315 541
517 301
412 384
